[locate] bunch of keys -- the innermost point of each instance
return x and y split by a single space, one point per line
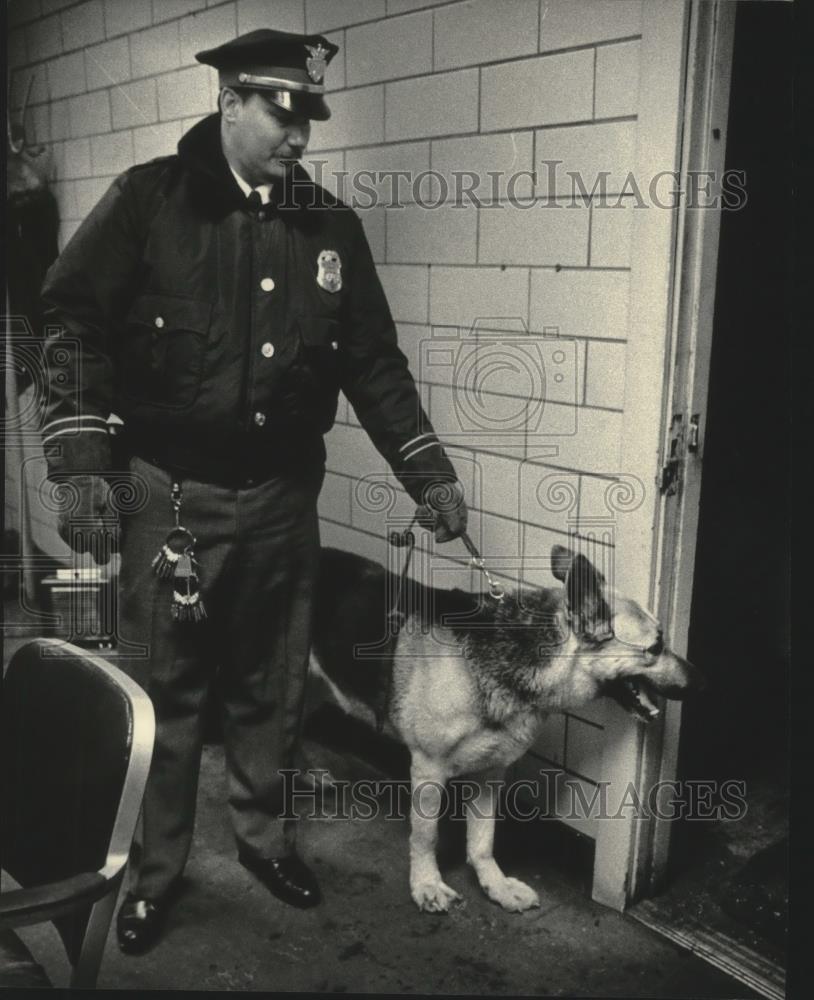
176 561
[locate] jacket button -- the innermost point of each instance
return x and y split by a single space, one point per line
259 418
267 284
159 322
267 350
335 344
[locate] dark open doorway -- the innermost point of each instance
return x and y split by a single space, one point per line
730 876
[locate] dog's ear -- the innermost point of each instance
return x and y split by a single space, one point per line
561 559
585 595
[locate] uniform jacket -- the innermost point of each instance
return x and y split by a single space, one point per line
203 325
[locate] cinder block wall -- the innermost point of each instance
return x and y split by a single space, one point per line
477 85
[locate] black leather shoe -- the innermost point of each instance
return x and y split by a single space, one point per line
288 878
139 923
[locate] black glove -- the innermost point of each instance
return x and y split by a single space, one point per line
444 512
83 497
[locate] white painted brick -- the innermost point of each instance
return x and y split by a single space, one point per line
402 6
491 421
111 153
383 161
606 375
205 30
75 159
406 290
588 150
411 338
168 10
60 120
39 88
461 295
374 224
108 63
537 544
335 76
20 11
65 194
592 497
327 170
443 235
181 94
581 22
66 230
156 140
339 536
90 113
350 449
611 230
134 104
549 498
89 192
43 38
538 235
335 498
617 80
66 75
497 538
508 155
544 90
16 48
443 104
581 303
322 15
365 504
484 31
155 50
497 486
584 747
38 124
282 15
385 50
596 445
83 25
357 119
124 16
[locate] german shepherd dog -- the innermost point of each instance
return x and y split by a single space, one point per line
468 680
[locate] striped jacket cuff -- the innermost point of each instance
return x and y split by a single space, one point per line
77 444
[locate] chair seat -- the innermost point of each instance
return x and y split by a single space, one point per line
18 970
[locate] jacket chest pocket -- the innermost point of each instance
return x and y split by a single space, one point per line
321 346
163 351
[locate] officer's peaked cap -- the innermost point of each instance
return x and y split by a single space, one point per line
288 68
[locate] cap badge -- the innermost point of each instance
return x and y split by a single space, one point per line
329 271
316 65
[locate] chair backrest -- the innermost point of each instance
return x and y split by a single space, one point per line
74 730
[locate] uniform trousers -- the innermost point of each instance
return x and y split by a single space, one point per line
258 553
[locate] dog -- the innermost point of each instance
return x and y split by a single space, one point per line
467 681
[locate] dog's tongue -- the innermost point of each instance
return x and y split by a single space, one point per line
644 705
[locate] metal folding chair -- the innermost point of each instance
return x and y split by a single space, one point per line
76 743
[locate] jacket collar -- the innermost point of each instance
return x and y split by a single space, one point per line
201 152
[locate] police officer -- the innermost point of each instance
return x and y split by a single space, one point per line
217 301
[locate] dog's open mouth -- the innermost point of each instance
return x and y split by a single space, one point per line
638 697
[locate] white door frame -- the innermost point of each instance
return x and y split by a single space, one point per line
686 59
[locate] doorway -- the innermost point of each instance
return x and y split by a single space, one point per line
728 877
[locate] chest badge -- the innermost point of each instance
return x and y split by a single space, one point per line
329 271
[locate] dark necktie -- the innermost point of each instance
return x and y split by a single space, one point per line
254 202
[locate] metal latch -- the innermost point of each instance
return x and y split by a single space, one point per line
693 436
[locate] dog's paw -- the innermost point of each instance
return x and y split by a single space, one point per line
433 897
512 894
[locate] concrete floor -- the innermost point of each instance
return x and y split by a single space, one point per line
227 933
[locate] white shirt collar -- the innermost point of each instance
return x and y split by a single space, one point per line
264 190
